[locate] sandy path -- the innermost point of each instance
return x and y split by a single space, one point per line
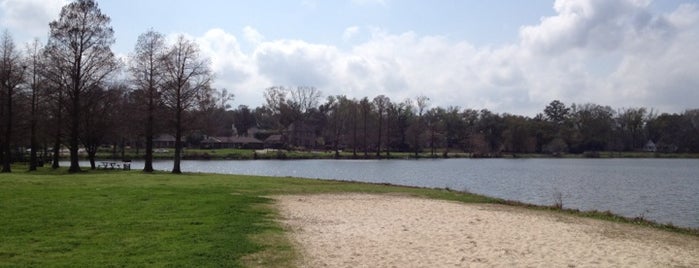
360 230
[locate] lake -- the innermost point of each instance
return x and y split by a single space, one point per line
661 190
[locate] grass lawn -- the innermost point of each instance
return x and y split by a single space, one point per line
118 218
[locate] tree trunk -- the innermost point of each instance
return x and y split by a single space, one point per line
32 129
148 166
378 142
7 160
123 148
178 139
337 144
388 136
91 155
354 136
56 150
57 138
366 146
74 132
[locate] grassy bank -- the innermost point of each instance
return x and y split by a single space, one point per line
117 218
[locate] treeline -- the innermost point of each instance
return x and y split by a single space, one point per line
73 92
380 126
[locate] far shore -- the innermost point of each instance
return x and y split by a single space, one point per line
274 154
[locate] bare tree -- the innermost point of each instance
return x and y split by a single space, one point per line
223 97
79 43
422 103
187 76
34 62
365 109
380 102
147 74
303 99
55 84
11 76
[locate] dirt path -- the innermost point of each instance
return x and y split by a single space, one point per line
360 230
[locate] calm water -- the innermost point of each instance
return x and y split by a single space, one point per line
662 190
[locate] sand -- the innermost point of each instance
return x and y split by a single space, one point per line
362 230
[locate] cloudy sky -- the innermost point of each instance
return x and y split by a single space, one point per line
508 56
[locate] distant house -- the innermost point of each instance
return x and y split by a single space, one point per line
275 141
301 134
245 142
164 141
650 146
238 142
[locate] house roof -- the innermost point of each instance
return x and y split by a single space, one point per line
241 139
276 138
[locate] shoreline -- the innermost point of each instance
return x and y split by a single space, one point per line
250 154
593 214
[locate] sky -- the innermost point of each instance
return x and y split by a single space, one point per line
507 56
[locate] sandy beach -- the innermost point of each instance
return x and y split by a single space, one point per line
362 230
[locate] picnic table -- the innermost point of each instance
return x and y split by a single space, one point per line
115 165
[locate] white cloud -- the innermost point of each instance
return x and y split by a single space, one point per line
234 70
30 17
350 32
252 35
619 54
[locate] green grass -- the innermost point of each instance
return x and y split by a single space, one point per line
118 218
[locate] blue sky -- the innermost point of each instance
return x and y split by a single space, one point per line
480 22
507 56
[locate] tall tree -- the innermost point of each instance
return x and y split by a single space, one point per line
418 127
454 129
303 99
434 122
353 110
79 43
34 62
55 84
335 108
243 120
11 76
365 108
491 125
630 127
147 74
556 112
594 122
381 103
187 76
